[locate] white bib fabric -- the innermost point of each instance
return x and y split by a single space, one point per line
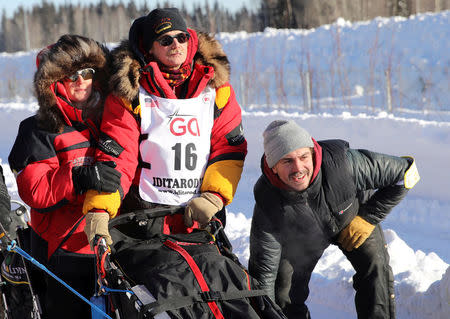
177 147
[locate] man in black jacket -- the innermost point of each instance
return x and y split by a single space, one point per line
313 194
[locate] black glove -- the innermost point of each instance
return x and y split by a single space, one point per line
102 176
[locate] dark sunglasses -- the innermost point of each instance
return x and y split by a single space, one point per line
86 74
168 39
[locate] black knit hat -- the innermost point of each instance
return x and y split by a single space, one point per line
160 21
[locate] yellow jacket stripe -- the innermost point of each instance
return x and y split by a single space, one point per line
223 177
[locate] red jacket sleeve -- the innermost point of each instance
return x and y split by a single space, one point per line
228 146
119 139
45 184
43 180
118 142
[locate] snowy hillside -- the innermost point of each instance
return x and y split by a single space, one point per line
360 67
350 106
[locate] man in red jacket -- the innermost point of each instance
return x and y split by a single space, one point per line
172 125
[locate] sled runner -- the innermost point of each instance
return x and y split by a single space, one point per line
159 269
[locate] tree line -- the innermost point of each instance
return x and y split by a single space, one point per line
45 22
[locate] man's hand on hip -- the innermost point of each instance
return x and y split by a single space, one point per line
355 234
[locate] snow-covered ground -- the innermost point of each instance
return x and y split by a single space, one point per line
417 231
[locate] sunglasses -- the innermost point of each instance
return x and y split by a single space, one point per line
168 39
86 74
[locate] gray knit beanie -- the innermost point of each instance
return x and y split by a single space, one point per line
282 137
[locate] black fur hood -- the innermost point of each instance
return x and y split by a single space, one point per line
65 57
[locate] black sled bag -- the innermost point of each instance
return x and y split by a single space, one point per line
15 287
185 274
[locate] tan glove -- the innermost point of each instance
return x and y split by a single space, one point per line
355 234
97 224
202 209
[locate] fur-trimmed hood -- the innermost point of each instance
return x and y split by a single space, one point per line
65 57
127 66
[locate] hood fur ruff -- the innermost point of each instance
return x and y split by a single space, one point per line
65 57
124 81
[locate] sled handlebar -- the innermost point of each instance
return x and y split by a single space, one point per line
145 214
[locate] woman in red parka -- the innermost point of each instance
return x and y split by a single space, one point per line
172 124
53 160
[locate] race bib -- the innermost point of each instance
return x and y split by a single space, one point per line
175 147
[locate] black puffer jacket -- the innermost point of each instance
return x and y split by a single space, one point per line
298 225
